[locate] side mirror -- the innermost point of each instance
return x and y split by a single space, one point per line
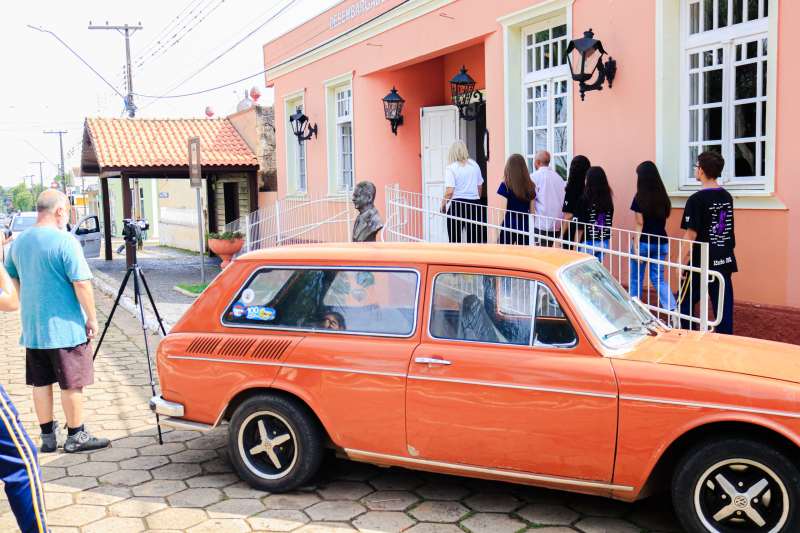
81 231
69 226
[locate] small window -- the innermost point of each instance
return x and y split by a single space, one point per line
344 137
336 301
498 309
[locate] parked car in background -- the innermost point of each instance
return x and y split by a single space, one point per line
87 231
524 364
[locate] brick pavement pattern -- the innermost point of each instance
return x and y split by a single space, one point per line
188 484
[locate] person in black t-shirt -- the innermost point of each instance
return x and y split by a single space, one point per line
652 207
594 213
576 182
708 217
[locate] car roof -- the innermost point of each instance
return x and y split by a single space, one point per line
536 258
27 214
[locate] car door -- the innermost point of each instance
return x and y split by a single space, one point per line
515 390
87 231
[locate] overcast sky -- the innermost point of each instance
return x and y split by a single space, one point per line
46 87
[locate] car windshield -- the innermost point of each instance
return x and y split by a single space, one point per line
608 309
23 223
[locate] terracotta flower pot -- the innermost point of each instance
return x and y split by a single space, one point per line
225 249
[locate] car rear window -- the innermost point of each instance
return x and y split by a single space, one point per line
498 309
370 301
23 223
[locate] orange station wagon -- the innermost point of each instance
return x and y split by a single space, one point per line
522 364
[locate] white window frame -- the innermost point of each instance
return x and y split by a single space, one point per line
301 165
332 87
552 80
291 102
343 101
726 39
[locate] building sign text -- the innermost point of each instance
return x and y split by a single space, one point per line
353 11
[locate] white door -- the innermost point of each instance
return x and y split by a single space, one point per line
439 129
87 231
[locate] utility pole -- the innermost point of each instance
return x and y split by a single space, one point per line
61 144
31 176
41 179
129 30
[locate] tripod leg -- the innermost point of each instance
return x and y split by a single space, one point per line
138 290
111 314
150 296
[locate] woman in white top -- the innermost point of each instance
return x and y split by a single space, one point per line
463 184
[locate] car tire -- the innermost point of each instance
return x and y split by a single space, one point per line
736 485
275 442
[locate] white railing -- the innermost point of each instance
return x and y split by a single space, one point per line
308 217
416 217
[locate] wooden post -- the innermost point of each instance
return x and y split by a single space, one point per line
126 213
106 217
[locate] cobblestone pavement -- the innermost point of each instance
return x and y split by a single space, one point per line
163 268
188 484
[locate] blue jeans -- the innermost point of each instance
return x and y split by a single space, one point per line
652 251
606 244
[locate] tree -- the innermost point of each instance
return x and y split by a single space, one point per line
24 201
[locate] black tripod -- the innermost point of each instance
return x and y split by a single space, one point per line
138 282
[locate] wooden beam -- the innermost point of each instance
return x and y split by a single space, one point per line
106 218
252 190
126 213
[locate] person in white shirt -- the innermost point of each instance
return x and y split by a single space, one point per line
549 199
463 184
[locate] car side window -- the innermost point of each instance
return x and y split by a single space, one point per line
88 226
382 302
498 309
552 328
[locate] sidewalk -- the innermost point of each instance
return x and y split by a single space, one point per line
188 484
163 269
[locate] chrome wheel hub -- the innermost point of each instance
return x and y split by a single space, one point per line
267 444
741 495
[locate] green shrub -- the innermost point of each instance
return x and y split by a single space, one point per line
226 236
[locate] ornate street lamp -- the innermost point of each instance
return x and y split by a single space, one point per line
299 123
392 107
584 57
462 90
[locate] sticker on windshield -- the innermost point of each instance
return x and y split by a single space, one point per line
238 310
260 313
248 296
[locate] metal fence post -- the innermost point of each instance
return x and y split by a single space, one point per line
278 223
347 199
247 232
428 217
704 258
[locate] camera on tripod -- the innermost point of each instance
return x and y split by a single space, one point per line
132 231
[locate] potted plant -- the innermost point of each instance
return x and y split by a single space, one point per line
225 245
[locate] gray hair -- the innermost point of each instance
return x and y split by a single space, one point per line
49 200
543 156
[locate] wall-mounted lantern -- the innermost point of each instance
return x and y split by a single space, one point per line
462 91
299 124
393 107
581 55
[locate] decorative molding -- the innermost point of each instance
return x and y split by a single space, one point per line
742 199
342 79
384 22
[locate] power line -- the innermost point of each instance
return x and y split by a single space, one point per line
82 60
164 31
270 19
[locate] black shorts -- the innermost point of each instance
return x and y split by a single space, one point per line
70 367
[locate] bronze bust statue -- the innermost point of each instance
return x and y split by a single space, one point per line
369 222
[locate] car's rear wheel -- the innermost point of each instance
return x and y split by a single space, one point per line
737 485
275 442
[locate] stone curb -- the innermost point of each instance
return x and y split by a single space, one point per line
185 292
110 287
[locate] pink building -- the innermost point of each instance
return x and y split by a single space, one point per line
692 75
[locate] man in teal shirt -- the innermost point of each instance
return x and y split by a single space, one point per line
58 320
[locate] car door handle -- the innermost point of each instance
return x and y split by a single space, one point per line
431 361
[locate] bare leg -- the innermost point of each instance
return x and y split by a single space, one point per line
72 402
43 403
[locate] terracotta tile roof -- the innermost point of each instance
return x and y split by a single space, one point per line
136 142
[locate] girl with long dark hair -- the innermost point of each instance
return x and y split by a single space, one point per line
518 192
652 207
594 213
576 182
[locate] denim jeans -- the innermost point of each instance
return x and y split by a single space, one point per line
606 244
652 251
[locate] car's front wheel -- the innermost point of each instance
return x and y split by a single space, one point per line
737 485
275 442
